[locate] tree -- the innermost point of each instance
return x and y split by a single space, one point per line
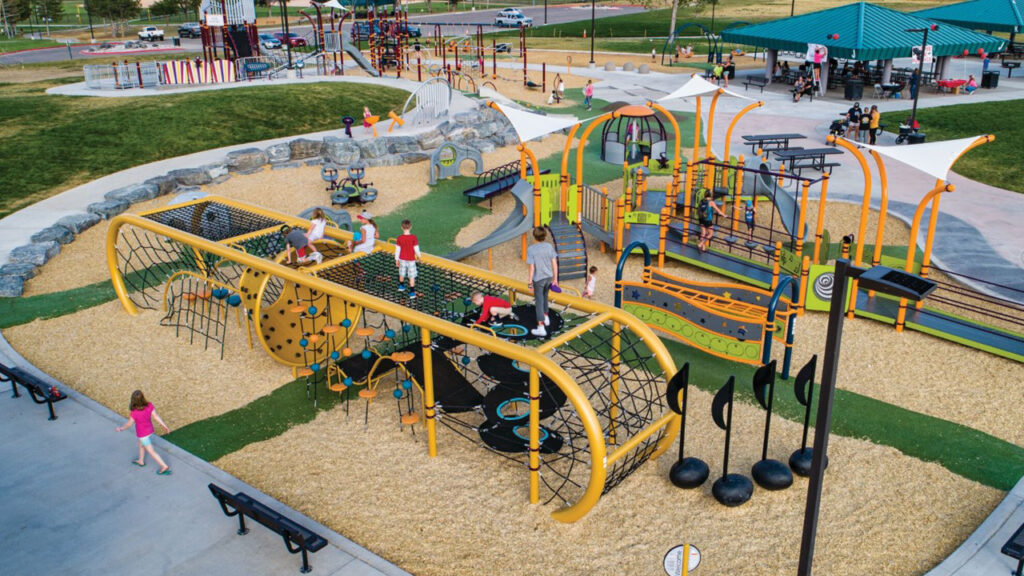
117 11
165 8
52 9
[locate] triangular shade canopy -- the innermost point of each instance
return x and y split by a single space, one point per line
933 158
334 4
492 94
698 86
529 125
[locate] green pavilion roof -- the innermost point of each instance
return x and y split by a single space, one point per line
994 15
866 32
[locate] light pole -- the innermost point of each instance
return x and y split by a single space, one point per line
920 66
593 11
885 281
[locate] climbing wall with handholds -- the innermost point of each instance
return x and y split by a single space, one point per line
297 325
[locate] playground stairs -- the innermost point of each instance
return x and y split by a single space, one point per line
570 246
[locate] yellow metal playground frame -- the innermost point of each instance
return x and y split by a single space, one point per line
600 459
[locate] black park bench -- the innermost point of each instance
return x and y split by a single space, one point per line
1014 548
296 538
41 392
759 81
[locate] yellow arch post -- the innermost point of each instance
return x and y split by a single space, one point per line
691 170
819 228
564 176
863 225
668 424
662 235
737 194
696 132
802 219
732 125
711 123
429 406
915 226
583 143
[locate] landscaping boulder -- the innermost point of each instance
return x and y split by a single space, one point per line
11 286
54 233
134 193
279 153
388 160
341 151
468 118
414 157
303 148
35 254
430 140
400 144
246 160
374 148
485 129
22 270
628 67
108 208
644 69
78 223
217 171
609 67
164 184
484 146
191 176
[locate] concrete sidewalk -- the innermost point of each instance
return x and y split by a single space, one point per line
73 503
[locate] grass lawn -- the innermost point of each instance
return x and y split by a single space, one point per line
51 143
24 44
996 163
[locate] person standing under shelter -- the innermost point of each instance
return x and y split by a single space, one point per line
543 270
873 124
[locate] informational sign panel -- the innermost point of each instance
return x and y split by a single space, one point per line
915 54
214 19
811 48
674 564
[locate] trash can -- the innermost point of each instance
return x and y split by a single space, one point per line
915 138
990 79
854 89
176 41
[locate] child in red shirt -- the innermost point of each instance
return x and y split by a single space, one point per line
406 255
492 306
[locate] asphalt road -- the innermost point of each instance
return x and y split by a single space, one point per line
451 25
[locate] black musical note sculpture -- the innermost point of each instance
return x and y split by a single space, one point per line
769 474
730 489
803 387
686 472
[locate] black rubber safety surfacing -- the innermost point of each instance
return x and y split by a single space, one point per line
500 403
515 439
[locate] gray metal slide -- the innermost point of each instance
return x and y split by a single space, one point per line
784 196
518 223
356 55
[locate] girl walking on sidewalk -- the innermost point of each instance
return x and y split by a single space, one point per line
142 415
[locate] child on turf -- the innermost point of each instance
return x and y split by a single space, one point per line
142 415
407 252
366 119
543 265
296 238
492 307
588 290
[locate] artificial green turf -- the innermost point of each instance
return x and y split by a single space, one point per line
262 419
51 142
15 311
997 163
25 44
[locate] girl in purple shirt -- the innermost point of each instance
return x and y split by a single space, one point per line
142 415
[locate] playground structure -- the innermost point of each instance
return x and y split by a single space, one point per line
230 24
634 134
714 42
351 188
582 409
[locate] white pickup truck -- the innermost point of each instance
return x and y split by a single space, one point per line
151 33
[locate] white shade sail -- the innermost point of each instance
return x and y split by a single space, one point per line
529 125
698 86
933 158
334 4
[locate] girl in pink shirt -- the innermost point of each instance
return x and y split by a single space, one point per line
142 414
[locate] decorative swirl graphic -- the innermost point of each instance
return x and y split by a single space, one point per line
823 286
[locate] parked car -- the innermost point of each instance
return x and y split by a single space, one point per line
151 33
513 20
269 42
510 12
361 30
292 39
189 30
503 48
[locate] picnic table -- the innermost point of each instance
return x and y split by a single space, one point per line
891 90
951 85
770 141
797 160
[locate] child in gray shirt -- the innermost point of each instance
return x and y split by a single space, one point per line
543 262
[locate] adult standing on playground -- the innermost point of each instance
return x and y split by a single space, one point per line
543 263
876 116
853 120
588 94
